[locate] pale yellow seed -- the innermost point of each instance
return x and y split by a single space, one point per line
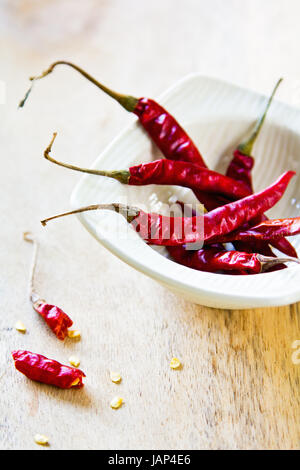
19 326
41 439
76 382
115 377
74 361
116 402
175 363
74 334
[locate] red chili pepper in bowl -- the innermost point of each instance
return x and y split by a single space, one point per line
57 320
213 259
163 128
269 230
167 172
48 371
240 169
157 229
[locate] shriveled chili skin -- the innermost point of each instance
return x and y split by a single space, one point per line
166 132
171 231
188 175
268 230
215 260
56 319
240 168
48 371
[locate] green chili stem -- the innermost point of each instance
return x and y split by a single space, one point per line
121 175
129 212
128 102
246 147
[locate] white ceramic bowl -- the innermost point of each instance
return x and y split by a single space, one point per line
217 115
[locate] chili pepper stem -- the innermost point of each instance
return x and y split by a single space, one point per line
122 175
246 147
128 102
34 297
268 262
129 212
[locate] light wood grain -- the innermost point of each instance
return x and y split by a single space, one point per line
238 387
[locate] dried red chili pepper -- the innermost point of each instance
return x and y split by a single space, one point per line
170 231
56 319
164 130
268 230
48 371
240 168
212 259
167 172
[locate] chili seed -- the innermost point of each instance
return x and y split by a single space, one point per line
41 440
175 363
116 402
74 334
19 326
74 361
115 377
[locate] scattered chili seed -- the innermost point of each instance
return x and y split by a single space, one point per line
74 334
116 403
19 326
175 363
115 377
74 361
41 439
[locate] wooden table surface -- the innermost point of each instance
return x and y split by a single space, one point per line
239 385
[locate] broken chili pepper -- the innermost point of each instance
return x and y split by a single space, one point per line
56 319
167 172
157 229
48 371
212 259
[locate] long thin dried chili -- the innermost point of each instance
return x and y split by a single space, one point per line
163 128
268 230
240 169
170 231
212 259
167 172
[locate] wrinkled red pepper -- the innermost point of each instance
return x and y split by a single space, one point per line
157 229
167 172
212 259
240 168
55 317
164 130
268 230
48 371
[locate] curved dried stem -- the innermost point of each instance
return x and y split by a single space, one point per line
128 212
122 175
27 236
128 102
